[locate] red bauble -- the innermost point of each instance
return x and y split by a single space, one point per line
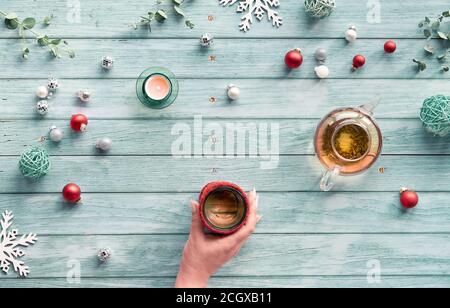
79 122
408 198
293 58
71 193
390 46
358 61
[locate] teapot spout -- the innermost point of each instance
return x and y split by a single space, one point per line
369 107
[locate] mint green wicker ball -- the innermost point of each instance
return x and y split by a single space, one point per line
34 163
319 8
435 115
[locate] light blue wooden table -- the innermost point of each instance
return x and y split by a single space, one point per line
135 199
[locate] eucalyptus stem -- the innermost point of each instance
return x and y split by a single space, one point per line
13 22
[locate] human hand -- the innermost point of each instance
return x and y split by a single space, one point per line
204 254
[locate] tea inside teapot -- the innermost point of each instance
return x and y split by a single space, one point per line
348 140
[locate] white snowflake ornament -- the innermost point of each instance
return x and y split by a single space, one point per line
9 243
258 8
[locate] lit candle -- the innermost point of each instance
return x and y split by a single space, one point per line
157 87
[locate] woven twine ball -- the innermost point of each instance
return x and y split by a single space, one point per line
34 163
319 8
435 115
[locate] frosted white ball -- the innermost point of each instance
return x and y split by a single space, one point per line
55 134
322 71
104 144
42 92
42 107
233 92
351 35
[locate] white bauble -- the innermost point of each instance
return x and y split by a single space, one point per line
351 35
104 144
233 92
55 134
322 71
42 92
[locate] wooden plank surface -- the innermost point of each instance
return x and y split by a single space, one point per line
165 174
303 212
103 18
291 137
233 58
237 282
159 255
133 195
260 98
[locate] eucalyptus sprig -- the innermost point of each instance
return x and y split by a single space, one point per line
433 29
55 47
161 16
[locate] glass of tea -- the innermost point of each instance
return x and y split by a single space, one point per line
223 207
347 142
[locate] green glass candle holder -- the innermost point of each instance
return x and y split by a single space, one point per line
161 76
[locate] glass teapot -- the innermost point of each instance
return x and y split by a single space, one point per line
347 141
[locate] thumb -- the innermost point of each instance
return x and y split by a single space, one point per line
196 225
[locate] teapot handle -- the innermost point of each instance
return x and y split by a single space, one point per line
369 107
327 183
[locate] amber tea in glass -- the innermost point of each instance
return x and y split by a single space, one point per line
347 141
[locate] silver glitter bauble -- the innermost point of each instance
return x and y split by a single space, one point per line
42 107
52 84
84 96
107 62
104 144
55 134
206 40
104 254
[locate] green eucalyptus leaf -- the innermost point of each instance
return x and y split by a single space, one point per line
446 14
11 21
43 40
178 9
29 23
160 16
427 33
429 48
71 53
25 53
442 35
178 2
190 24
48 20
54 51
420 65
446 68
55 41
435 25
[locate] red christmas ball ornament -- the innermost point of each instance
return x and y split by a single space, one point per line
408 198
358 61
79 122
71 193
390 46
294 58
